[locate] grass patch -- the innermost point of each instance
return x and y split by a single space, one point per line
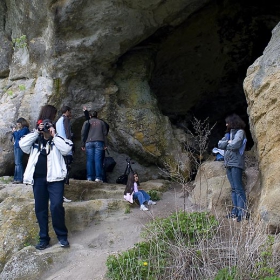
198 246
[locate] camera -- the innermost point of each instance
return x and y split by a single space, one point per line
46 127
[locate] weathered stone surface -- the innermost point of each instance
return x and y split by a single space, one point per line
212 189
29 263
91 201
67 58
5 55
261 88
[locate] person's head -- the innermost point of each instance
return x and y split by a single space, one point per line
136 177
21 123
234 122
66 111
93 114
47 112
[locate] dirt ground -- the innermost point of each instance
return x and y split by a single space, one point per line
86 258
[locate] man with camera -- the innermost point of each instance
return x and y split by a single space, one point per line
46 171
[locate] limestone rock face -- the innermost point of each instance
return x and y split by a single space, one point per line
91 201
262 92
65 53
212 189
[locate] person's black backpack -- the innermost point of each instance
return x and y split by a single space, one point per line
109 163
123 178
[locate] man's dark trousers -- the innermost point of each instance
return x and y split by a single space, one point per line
43 192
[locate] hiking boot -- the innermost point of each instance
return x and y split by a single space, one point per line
143 208
42 245
66 200
64 243
150 202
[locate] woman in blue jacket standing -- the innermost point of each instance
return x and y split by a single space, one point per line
20 130
234 143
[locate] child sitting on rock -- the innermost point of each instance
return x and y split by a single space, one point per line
132 192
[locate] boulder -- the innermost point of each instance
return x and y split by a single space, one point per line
212 189
261 89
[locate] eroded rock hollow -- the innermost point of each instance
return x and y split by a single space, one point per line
147 67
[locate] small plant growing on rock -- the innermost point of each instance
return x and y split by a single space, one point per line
10 92
20 42
21 87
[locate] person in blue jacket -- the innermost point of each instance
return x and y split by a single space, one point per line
21 129
234 143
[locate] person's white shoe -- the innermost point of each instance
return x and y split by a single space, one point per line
143 208
150 202
98 180
66 200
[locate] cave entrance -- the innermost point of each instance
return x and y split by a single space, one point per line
201 64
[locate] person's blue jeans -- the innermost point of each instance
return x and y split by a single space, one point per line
18 175
43 192
142 196
94 152
238 196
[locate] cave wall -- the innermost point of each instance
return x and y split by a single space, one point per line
69 58
146 67
200 65
262 89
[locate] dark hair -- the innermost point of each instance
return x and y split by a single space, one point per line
23 122
234 122
64 109
94 114
47 112
130 182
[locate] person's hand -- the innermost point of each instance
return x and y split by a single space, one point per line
83 148
52 131
105 148
229 141
13 129
84 108
40 127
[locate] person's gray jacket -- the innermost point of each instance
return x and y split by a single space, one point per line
97 131
233 157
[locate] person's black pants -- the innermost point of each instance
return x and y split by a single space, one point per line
43 192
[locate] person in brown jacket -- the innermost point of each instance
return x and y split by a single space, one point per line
94 144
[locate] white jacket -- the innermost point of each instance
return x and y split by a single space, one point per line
56 167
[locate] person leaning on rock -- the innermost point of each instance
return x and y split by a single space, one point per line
233 143
46 171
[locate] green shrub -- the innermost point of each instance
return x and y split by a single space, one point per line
188 226
144 261
147 260
227 274
154 195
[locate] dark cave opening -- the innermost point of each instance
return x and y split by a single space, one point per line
200 65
